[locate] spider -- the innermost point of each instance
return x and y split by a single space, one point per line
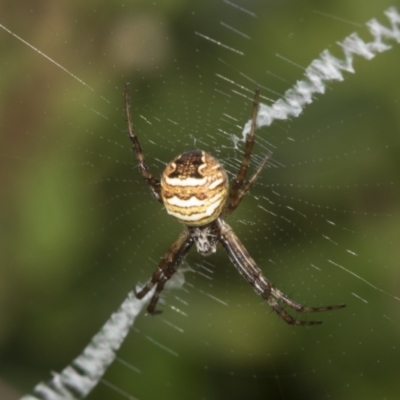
194 188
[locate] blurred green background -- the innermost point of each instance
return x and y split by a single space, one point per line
78 228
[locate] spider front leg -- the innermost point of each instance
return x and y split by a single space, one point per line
153 183
239 186
250 271
167 267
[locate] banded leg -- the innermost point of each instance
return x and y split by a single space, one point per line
237 183
239 197
167 267
154 184
299 307
250 271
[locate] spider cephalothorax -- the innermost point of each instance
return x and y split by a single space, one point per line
194 188
205 238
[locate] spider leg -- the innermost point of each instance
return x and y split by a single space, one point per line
239 197
299 307
247 267
153 183
237 183
286 316
167 267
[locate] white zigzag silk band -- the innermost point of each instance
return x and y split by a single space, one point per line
329 68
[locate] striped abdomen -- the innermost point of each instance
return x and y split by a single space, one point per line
194 188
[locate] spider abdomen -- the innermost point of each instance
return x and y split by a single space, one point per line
194 188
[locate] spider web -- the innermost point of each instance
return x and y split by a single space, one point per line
79 228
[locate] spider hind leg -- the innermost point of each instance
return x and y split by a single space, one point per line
247 267
286 316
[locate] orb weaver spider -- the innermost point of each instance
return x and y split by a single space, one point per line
194 188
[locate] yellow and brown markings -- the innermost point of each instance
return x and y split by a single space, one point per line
194 188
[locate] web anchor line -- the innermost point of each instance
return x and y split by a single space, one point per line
85 372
